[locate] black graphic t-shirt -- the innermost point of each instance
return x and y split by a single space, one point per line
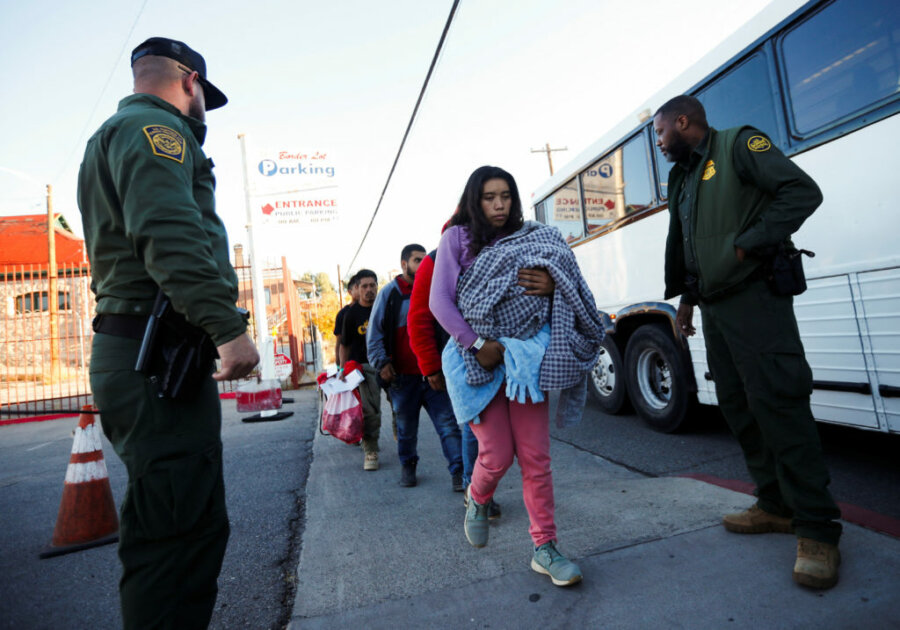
353 334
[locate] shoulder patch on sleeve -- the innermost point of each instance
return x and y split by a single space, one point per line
165 142
759 144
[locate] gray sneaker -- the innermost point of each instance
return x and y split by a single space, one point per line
549 561
476 522
493 507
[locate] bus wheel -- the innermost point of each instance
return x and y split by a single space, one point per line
656 379
607 380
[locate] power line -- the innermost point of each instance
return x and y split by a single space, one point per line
412 119
112 73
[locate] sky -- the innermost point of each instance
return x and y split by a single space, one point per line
341 78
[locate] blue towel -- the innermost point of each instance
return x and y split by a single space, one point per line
521 368
522 361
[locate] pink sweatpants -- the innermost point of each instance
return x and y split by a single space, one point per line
509 429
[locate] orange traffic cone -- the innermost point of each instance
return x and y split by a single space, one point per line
87 514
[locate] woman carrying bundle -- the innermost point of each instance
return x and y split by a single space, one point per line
524 322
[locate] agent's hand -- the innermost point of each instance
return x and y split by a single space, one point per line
490 355
387 373
536 281
437 383
239 356
684 319
740 253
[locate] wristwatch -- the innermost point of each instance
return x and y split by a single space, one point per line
476 345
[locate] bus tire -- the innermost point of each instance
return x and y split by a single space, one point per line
656 378
606 381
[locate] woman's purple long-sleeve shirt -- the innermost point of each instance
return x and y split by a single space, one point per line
453 258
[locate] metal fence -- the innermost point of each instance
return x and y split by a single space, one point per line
45 337
289 322
45 341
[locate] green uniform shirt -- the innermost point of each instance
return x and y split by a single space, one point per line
146 194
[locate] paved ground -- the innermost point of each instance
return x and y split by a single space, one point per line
375 555
265 475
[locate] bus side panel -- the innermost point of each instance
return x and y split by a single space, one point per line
855 228
706 388
833 344
625 266
880 307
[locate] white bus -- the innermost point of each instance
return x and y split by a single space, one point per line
822 79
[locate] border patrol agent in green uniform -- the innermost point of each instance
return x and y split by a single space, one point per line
734 197
145 190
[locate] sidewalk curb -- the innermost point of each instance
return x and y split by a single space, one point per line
851 513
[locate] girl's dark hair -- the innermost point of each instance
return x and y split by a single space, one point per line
470 214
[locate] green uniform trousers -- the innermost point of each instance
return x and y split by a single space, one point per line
174 525
370 393
763 384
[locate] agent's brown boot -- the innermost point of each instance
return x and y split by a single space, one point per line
817 563
756 521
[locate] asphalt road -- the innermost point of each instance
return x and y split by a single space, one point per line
266 465
864 465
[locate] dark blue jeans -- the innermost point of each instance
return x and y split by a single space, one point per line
409 393
469 452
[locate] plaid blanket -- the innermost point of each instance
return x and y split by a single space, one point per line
491 300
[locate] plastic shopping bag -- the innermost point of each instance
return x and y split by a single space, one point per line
342 417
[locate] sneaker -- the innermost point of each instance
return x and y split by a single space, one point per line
493 507
817 563
755 520
371 461
476 523
548 561
408 475
457 483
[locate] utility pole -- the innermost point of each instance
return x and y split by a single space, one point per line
548 150
52 291
264 340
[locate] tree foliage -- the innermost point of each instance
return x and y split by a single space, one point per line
322 280
323 283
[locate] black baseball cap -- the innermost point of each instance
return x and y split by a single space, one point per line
184 54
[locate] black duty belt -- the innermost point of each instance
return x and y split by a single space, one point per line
131 326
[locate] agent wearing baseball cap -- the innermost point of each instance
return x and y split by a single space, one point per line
146 194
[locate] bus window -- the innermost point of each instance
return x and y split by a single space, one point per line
539 215
743 96
563 210
662 170
618 185
841 60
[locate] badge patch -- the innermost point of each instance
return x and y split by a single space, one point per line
759 144
709 170
165 142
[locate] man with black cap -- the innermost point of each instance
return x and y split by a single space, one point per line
146 194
